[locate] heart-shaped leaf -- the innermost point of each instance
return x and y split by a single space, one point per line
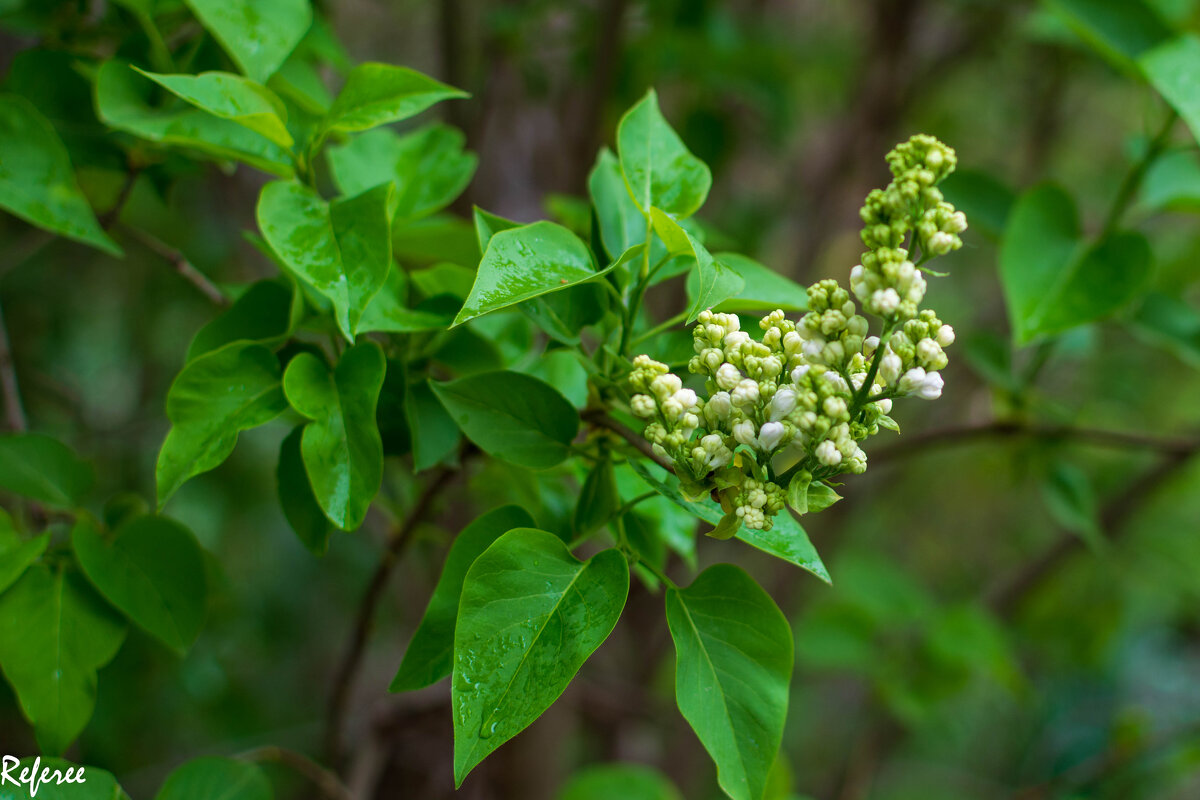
659 169
258 34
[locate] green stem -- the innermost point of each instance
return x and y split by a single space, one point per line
662 326
864 391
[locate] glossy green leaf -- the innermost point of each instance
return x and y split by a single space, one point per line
1121 30
526 262
430 655
488 225
598 499
214 778
512 416
123 102
341 447
1051 282
659 170
1172 183
215 397
622 224
55 632
257 34
265 313
530 614
763 290
714 282
1171 323
231 97
435 434
447 279
787 540
438 237
386 312
296 498
623 781
16 554
343 249
733 666
37 182
429 166
44 469
152 569
1173 69
376 94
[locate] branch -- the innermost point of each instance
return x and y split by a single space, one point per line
600 419
945 437
181 265
323 779
352 657
14 412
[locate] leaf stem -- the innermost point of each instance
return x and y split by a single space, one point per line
181 265
661 327
1133 179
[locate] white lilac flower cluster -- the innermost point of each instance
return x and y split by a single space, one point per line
790 410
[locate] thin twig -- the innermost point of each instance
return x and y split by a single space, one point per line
110 217
965 434
600 419
14 412
347 670
322 778
181 265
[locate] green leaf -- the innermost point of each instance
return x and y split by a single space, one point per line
733 665
265 313
763 290
386 311
624 781
659 170
488 225
622 224
152 569
714 282
820 497
231 97
257 34
1171 323
1173 69
435 435
430 655
216 778
216 396
44 469
55 632
512 416
1172 183
342 249
428 166
342 451
300 506
1120 30
444 279
16 554
36 180
797 491
439 237
1051 282
123 102
786 540
529 616
598 499
376 94
526 262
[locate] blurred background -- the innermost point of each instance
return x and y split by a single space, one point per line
1014 610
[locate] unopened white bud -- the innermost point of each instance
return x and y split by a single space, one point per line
885 405
931 387
945 336
889 367
771 436
911 381
957 222
834 406
941 243
745 393
719 405
685 397
870 345
665 385
828 454
643 405
744 433
728 376
783 403
928 349
799 372
885 301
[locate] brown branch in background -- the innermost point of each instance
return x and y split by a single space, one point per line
14 412
607 58
599 419
351 660
323 779
945 437
181 265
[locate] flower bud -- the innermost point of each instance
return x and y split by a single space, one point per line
930 387
728 376
783 403
643 405
911 381
889 367
745 393
771 435
744 433
828 454
945 336
885 301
